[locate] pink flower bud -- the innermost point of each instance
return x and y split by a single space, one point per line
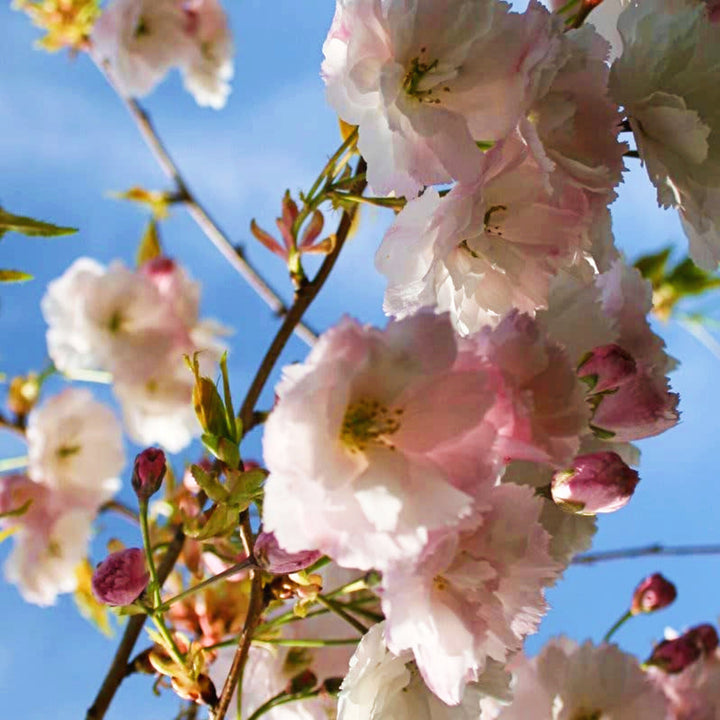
121 577
148 472
653 593
597 483
705 637
271 557
673 656
606 368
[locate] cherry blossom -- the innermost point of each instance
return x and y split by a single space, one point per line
666 81
425 82
349 444
382 685
487 247
473 595
567 680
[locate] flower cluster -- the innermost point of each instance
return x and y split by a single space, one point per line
141 40
138 325
75 455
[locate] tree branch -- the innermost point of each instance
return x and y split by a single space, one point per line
118 669
202 218
655 549
304 296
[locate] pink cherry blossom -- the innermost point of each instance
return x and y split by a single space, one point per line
425 82
474 594
487 247
584 681
75 447
350 442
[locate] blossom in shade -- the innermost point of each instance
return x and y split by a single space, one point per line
597 483
573 125
274 559
383 685
539 410
474 594
666 81
148 472
580 682
425 83
488 246
351 440
607 368
653 593
75 446
121 577
613 309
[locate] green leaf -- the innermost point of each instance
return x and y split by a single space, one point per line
222 521
28 226
229 412
8 276
246 487
687 278
222 448
652 266
209 482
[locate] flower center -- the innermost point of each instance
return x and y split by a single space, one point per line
369 422
424 78
66 451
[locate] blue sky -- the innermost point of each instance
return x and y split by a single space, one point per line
65 141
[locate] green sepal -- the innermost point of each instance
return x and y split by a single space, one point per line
29 226
209 482
9 276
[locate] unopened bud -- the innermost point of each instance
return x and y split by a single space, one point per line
705 636
271 557
673 656
606 368
23 393
121 578
653 593
148 472
598 482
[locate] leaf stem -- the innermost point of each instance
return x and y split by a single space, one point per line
234 570
618 624
338 609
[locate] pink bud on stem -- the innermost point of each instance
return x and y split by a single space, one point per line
148 472
597 483
121 577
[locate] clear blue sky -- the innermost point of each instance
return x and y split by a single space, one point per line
65 141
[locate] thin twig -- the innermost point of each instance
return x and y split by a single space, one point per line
304 296
121 509
118 669
655 549
202 218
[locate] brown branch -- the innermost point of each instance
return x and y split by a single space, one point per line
202 218
304 296
257 605
645 551
119 668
